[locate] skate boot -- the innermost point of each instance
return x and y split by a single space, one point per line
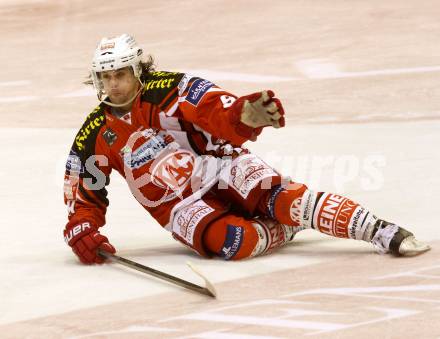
390 238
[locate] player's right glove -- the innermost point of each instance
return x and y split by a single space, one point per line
85 240
252 112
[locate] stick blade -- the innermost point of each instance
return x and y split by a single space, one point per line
210 290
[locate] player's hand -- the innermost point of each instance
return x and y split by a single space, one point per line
85 241
258 110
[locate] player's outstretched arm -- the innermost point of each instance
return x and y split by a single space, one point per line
227 117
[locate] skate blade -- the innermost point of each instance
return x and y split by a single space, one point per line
410 247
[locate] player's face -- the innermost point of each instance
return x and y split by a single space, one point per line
120 85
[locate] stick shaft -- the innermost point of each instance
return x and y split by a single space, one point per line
158 274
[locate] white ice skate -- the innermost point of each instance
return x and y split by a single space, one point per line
390 238
410 246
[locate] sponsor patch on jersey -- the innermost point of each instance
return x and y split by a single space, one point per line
109 136
161 81
197 90
232 244
92 125
158 84
143 154
73 163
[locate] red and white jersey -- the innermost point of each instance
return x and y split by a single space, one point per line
155 147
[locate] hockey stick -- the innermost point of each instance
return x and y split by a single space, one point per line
208 290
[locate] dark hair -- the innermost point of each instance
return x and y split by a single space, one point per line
147 67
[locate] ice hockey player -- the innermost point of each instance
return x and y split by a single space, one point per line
177 140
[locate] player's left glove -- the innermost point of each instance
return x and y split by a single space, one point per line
252 112
85 240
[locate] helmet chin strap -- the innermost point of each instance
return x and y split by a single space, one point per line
129 101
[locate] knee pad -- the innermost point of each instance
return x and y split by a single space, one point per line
233 237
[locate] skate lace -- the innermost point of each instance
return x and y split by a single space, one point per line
383 236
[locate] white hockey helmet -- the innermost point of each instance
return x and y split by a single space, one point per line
115 53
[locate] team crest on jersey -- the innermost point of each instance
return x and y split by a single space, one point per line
173 172
109 136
